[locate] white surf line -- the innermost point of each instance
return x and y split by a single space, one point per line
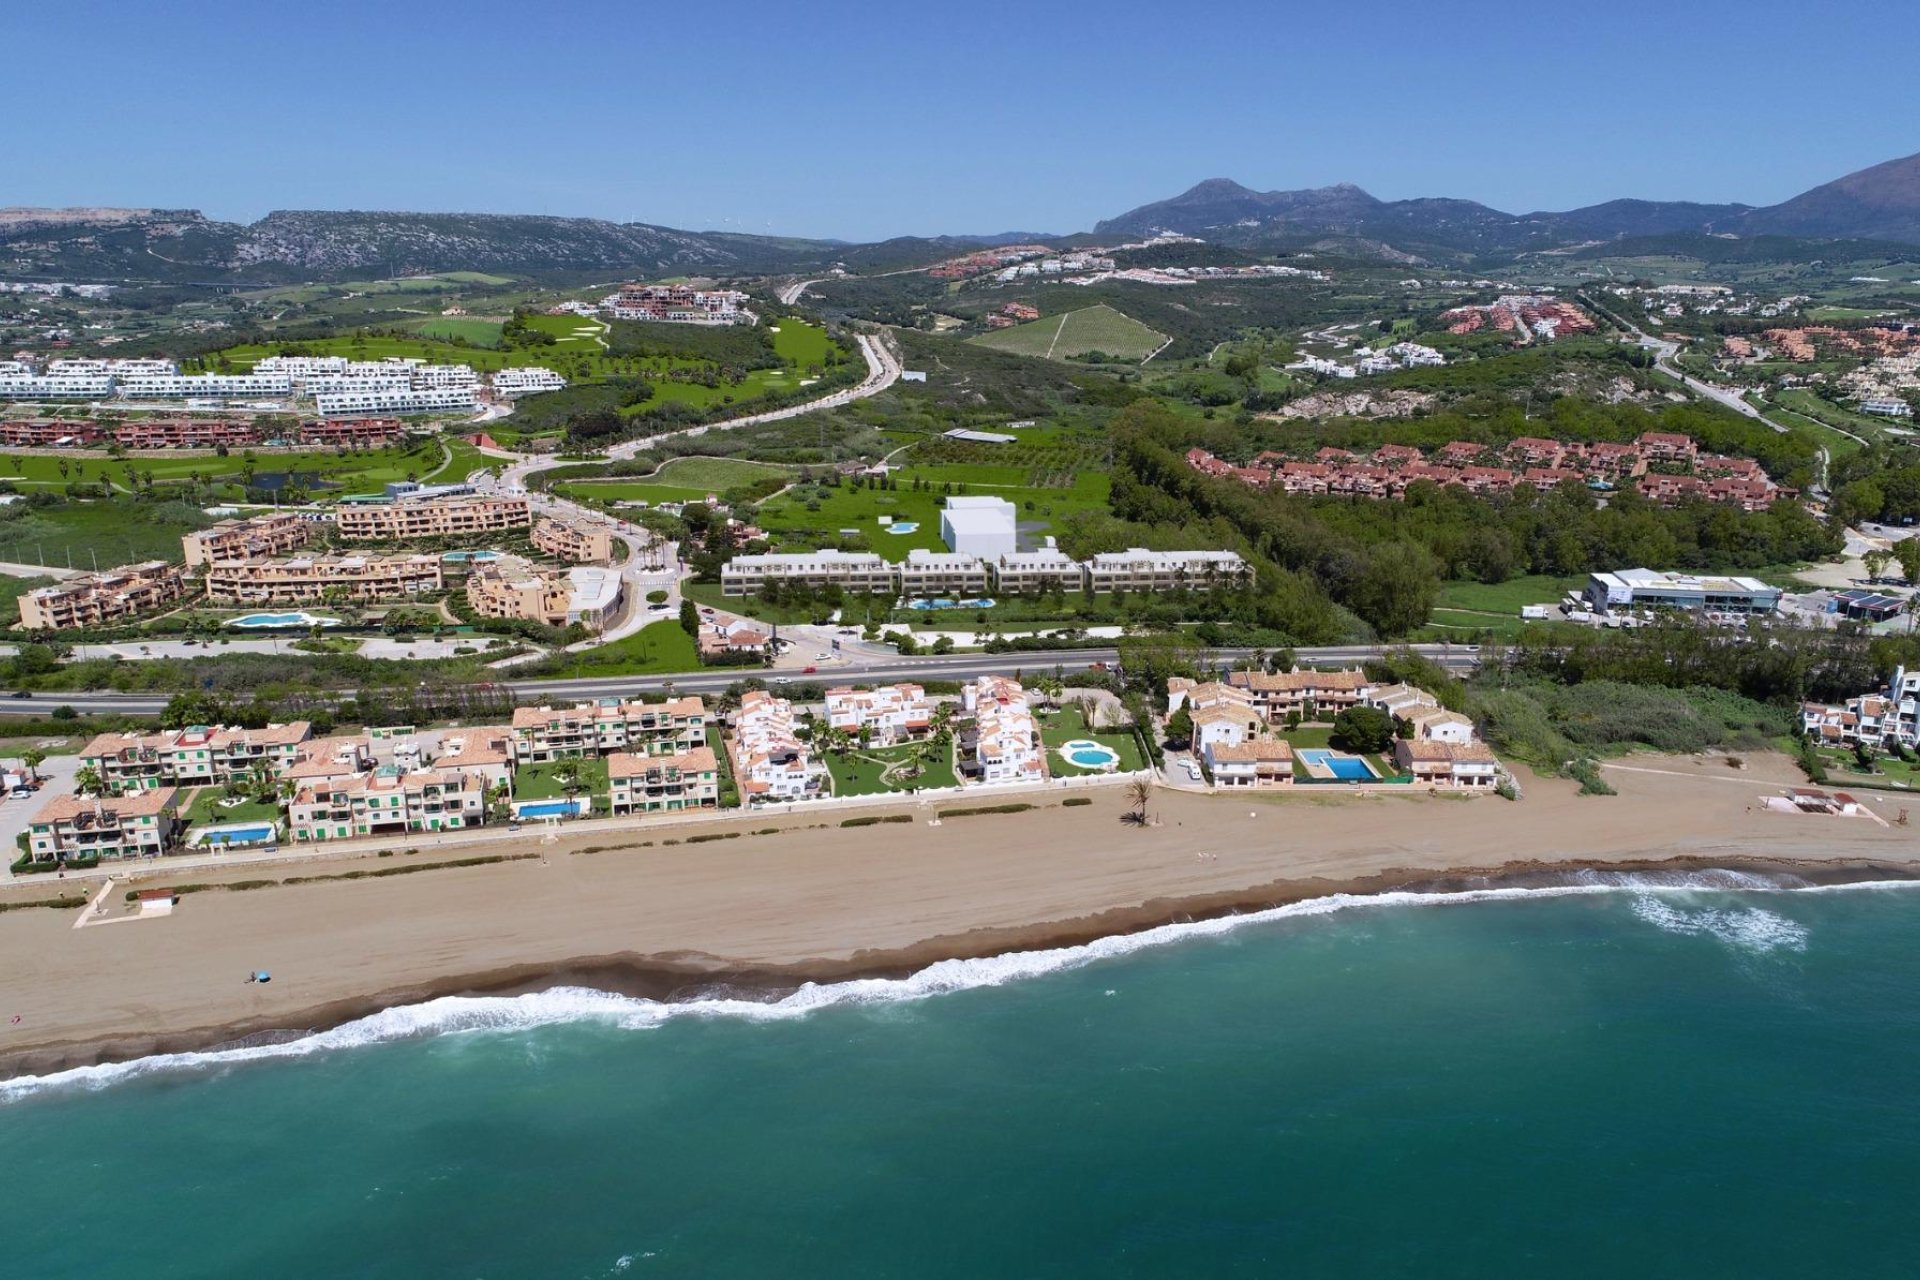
1056 336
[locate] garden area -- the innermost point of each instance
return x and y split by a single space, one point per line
912 766
205 809
561 779
1069 724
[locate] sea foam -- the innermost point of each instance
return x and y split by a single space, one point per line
1751 928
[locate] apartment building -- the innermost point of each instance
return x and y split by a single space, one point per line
185 433
307 578
1323 693
36 387
351 433
1037 572
1448 764
511 588
98 599
1137 569
770 761
526 381
855 572
325 760
45 433
663 784
1884 716
347 404
679 304
208 386
930 575
1003 744
70 828
386 801
573 538
432 517
202 755
889 714
252 538
672 727
484 752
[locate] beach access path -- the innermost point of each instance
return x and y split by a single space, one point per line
800 897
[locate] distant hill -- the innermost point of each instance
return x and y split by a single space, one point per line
1881 203
181 245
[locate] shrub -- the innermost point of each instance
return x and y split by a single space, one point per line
713 835
874 819
1074 802
984 808
1587 774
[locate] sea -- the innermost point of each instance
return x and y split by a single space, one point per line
1701 1078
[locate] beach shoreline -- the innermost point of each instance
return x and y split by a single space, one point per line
808 902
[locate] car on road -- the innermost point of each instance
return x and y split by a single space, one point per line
21 693
807 671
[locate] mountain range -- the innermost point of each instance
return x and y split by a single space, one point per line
1880 203
180 245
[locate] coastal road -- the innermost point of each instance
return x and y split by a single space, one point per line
1459 659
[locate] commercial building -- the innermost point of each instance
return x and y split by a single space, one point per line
770 761
251 538
96 599
854 572
201 755
527 381
889 714
672 727
983 527
579 539
450 517
306 578
1003 743
511 588
72 828
927 575
1137 569
386 802
663 784
1632 589
341 404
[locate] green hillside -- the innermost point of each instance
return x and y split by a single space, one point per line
1097 328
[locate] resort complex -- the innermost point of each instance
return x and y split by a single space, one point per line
100 599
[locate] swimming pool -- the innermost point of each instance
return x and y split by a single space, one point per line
1089 754
1345 768
238 833
904 526
924 605
258 621
573 808
459 556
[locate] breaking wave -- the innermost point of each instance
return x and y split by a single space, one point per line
1750 928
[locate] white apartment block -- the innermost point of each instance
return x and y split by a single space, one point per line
431 517
352 404
891 713
770 761
1137 569
208 386
526 381
308 578
855 572
1005 741
1035 572
671 727
932 574
1888 715
349 384
55 387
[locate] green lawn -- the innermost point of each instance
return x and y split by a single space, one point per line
791 517
1066 724
606 492
658 648
462 460
360 470
542 781
800 344
679 480
1893 775
1097 328
858 772
481 333
79 534
204 809
1506 598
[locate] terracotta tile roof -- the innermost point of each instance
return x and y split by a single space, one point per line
138 805
622 764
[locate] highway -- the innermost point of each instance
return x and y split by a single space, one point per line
1459 659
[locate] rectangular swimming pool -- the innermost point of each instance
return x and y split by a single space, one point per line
552 808
1345 768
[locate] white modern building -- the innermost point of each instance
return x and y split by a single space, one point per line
770 761
348 404
926 575
1137 569
526 381
891 713
1005 741
1032 572
858 572
983 527
207 386
55 386
1651 589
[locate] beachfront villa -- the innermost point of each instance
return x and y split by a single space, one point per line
323 760
484 753
1421 713
1877 719
199 755
386 802
1255 762
591 729
769 759
889 714
663 784
1004 743
1448 764
70 828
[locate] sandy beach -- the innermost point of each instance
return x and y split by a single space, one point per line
799 898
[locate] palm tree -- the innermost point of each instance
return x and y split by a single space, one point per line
87 781
33 758
1138 794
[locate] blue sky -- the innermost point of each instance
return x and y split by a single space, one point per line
864 120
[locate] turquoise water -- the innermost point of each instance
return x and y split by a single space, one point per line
551 808
926 605
283 620
238 835
1088 754
1609 1084
1346 768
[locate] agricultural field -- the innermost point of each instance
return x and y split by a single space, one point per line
1076 333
